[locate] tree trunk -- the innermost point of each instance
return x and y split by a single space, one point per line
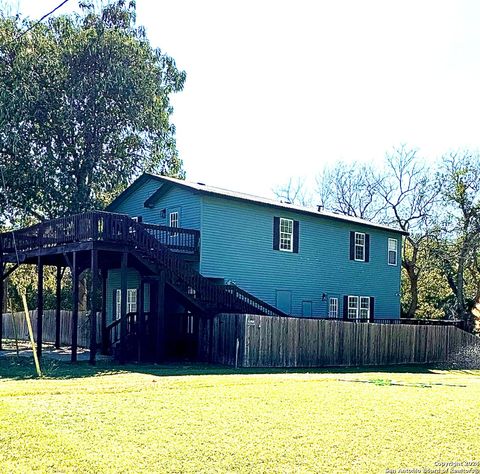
412 308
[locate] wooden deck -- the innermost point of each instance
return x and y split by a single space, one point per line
100 241
102 230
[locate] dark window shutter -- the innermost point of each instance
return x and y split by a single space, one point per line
372 308
352 245
296 235
276 233
367 247
345 307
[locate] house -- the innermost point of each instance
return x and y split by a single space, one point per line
301 261
168 255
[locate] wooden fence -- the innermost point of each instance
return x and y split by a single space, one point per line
262 341
15 326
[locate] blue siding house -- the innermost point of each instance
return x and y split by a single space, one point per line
300 261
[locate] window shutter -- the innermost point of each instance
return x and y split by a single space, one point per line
367 247
352 245
345 307
372 309
276 233
296 235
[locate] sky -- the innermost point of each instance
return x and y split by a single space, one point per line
279 89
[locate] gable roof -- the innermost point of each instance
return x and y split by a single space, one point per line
204 189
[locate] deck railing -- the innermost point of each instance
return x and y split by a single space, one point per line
94 225
182 240
247 303
157 244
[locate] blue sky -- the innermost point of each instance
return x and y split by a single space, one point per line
280 88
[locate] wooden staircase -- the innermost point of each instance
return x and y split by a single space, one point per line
152 245
194 288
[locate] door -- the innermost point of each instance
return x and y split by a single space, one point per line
306 308
284 301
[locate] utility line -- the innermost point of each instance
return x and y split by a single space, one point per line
41 19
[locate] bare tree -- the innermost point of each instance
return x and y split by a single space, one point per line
410 194
350 189
294 192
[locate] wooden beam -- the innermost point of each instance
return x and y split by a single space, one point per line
75 276
39 308
123 307
104 275
93 305
58 307
160 338
9 272
141 320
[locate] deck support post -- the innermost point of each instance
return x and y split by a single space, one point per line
141 320
93 305
75 295
2 293
123 307
210 339
160 338
39 307
104 312
58 307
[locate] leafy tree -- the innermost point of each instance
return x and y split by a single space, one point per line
84 108
459 242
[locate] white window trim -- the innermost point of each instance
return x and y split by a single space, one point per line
355 245
282 219
176 219
190 327
360 307
131 305
356 306
396 252
333 314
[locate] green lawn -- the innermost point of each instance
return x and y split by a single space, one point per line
197 419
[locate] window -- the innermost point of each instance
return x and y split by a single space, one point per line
333 308
190 323
286 235
131 302
364 307
392 251
352 307
173 222
360 246
173 219
358 307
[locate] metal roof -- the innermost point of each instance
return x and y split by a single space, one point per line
227 193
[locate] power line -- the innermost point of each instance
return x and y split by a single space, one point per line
41 19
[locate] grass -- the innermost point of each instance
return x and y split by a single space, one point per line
211 419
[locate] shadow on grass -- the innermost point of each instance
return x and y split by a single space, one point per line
20 368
